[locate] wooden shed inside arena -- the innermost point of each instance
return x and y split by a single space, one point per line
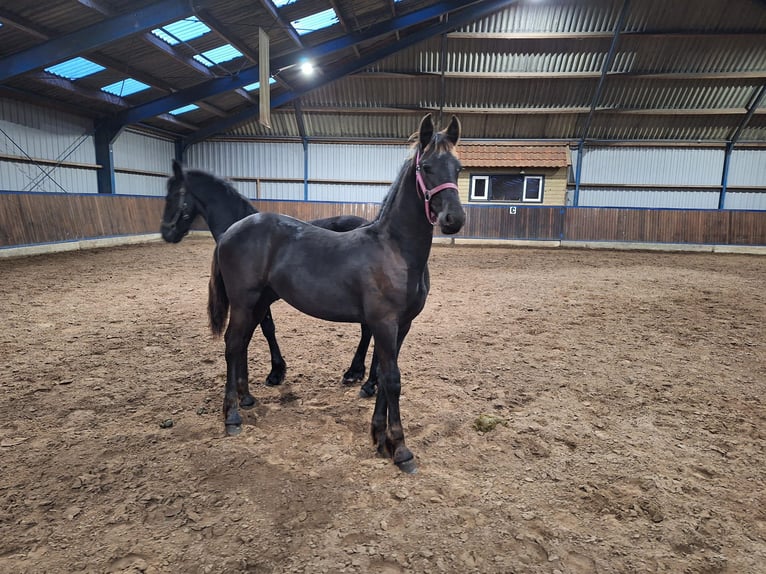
613 122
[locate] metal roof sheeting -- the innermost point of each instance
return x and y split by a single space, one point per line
682 71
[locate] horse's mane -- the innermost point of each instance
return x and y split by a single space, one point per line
439 142
221 186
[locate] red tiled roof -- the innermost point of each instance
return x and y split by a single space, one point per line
509 154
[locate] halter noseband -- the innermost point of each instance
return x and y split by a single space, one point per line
183 209
428 194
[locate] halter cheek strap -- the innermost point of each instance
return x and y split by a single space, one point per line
428 194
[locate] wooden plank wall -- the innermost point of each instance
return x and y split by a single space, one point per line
30 218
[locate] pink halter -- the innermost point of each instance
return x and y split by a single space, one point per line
426 193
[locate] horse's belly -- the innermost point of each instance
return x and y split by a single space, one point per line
328 300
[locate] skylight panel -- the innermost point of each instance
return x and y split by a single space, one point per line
125 87
280 3
182 30
183 110
75 68
218 55
257 85
323 19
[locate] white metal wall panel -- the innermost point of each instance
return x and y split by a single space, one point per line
747 168
44 134
745 200
248 159
345 162
670 199
29 177
247 188
140 152
135 184
652 166
347 193
283 191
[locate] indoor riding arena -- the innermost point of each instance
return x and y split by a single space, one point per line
550 217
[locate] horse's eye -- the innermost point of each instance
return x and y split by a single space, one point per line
426 168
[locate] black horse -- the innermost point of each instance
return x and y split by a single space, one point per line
374 275
193 192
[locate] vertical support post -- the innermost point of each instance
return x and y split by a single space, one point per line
305 169
103 139
578 173
725 175
180 151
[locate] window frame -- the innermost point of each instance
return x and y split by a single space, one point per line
487 178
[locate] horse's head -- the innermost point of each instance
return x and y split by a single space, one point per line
180 209
436 172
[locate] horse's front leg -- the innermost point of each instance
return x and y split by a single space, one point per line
355 372
237 338
278 365
386 427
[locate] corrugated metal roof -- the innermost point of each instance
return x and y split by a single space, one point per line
683 71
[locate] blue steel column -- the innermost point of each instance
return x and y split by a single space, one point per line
103 140
578 173
725 176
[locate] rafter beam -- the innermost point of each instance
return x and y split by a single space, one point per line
342 18
592 75
605 68
752 109
219 28
512 36
357 110
93 37
286 26
457 18
251 74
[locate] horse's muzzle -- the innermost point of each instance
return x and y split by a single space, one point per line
451 221
170 233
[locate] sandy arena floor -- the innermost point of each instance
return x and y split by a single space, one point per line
631 386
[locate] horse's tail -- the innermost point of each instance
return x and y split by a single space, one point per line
217 299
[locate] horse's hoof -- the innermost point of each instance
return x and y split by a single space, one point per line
233 430
352 378
366 392
247 402
408 466
275 380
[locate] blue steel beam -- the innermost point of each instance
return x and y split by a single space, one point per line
456 19
251 74
733 139
93 37
605 68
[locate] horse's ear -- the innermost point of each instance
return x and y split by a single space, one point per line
426 131
178 171
453 130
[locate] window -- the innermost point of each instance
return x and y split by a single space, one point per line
507 188
75 68
218 55
125 87
182 30
183 110
323 19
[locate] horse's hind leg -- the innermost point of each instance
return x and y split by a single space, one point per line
278 365
355 372
367 390
242 323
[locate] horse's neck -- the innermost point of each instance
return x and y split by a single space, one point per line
404 222
221 208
